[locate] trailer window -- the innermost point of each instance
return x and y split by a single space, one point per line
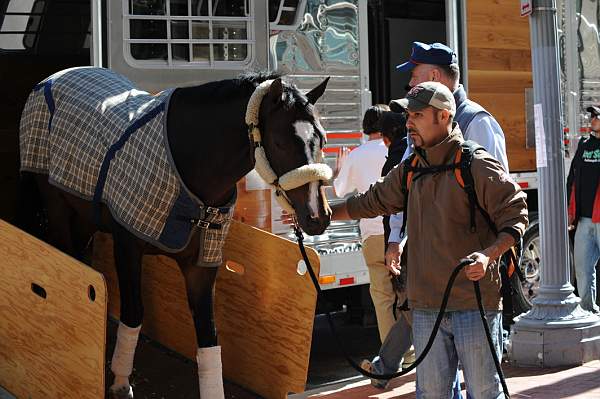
285 14
189 33
45 27
20 24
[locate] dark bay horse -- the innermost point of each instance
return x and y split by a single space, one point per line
209 148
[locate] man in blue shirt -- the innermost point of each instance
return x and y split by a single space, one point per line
437 62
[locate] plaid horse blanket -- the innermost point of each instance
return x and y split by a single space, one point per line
98 137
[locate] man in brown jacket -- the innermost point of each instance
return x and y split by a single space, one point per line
438 224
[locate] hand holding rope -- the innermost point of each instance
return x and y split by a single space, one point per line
436 326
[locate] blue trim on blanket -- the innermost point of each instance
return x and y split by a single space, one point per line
112 151
49 101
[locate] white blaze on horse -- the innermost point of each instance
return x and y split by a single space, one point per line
159 174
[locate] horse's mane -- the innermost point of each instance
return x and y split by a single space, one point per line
256 78
245 83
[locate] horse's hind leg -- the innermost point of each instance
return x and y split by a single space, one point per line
200 283
59 215
128 252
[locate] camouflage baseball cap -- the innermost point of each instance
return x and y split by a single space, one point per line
427 94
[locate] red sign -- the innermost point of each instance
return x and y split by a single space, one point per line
526 7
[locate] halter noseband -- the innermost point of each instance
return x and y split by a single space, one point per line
290 180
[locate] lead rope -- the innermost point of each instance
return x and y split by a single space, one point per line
488 334
436 326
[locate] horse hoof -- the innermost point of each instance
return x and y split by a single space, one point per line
121 393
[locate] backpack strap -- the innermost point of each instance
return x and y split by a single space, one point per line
464 177
410 168
410 164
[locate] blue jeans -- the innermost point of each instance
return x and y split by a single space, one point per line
397 342
587 252
391 352
461 337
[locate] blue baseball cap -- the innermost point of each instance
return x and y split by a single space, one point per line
433 54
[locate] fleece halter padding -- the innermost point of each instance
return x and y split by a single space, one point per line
292 179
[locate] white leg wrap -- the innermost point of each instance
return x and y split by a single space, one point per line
122 360
210 373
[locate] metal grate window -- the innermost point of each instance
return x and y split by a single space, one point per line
189 33
45 27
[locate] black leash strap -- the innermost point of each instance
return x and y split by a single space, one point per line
436 326
488 334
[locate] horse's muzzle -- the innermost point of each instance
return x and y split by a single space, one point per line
315 226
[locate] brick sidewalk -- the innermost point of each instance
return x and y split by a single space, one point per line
581 382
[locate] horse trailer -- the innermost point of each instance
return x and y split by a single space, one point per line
164 43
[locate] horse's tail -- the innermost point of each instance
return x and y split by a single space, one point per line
31 213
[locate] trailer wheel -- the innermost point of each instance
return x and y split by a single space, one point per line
530 267
523 291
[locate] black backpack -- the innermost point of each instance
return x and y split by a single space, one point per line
510 272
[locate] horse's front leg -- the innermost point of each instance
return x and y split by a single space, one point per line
128 253
200 282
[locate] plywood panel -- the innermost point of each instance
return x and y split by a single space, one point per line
496 24
499 82
50 347
264 317
253 207
509 110
499 61
487 59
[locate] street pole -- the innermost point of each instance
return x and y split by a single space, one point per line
556 331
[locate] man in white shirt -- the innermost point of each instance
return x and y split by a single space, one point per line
358 170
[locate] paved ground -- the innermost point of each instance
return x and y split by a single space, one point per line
558 383
160 373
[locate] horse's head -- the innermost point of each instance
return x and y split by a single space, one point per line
293 138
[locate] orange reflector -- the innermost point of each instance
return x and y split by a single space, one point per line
523 184
347 281
326 279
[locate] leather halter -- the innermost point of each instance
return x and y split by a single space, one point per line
290 180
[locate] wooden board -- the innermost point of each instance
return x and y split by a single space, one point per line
499 65
264 316
50 347
253 207
497 24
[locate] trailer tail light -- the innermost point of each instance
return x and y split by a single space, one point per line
347 281
351 135
523 184
337 150
327 279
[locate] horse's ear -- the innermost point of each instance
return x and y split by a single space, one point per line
276 90
317 92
